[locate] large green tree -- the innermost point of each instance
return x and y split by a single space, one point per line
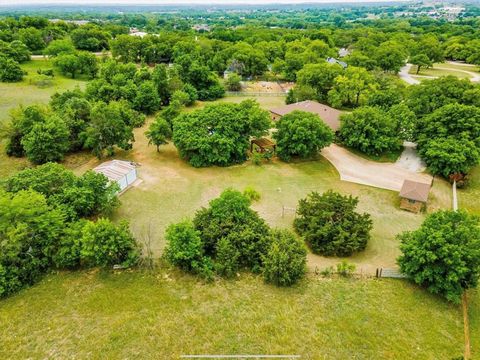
219 134
443 255
369 130
48 140
449 139
107 129
301 134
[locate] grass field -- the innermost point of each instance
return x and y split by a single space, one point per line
164 315
171 190
26 92
445 69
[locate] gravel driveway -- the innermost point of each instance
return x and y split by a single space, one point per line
356 169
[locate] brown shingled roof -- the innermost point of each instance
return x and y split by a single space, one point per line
328 114
414 190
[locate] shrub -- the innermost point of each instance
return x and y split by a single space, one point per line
184 247
29 231
105 244
345 269
285 262
251 194
227 257
256 158
330 224
68 254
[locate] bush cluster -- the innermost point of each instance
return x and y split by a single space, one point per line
228 237
330 224
43 226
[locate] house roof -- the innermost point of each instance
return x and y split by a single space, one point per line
328 114
115 170
336 61
414 190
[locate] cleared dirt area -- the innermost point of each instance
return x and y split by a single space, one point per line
356 169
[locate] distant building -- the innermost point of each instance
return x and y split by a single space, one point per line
332 60
124 173
201 27
136 32
76 22
329 115
343 52
414 195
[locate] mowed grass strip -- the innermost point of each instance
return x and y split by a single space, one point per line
164 315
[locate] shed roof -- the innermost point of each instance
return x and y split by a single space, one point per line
328 114
414 190
115 170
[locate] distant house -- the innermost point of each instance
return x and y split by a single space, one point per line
136 32
343 52
328 114
414 195
124 173
201 27
332 60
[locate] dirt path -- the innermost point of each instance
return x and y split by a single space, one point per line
358 170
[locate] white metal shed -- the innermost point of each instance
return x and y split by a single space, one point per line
124 173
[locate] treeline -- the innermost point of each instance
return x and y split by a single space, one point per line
103 116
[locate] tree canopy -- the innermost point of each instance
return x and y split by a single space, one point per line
443 255
330 224
301 134
219 134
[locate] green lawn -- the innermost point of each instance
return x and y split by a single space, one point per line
164 315
444 69
469 198
131 314
172 190
474 318
26 92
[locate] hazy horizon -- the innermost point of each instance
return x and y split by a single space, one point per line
184 2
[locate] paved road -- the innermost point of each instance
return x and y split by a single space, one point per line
356 169
405 76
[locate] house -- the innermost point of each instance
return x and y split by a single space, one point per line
414 195
329 115
124 173
201 27
332 60
343 52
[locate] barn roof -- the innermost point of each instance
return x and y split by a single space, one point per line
115 170
328 114
414 190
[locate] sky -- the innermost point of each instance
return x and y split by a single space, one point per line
170 2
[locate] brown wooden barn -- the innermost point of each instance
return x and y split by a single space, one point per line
414 195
